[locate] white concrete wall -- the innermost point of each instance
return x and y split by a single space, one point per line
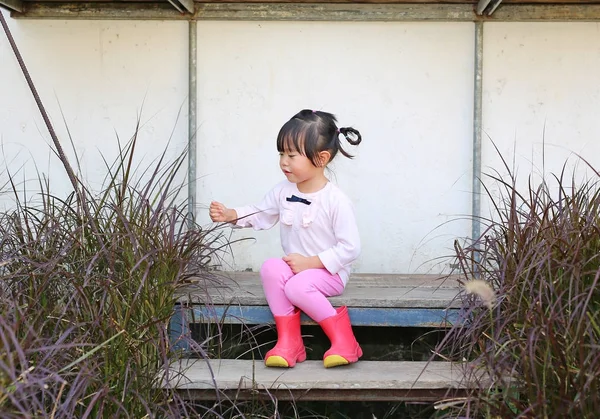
408 88
103 75
541 95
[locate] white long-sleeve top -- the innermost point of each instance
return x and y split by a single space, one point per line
325 228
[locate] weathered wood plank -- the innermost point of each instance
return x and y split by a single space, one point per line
288 1
310 12
363 279
101 10
350 1
396 12
336 12
550 2
371 380
402 1
379 317
504 2
546 13
363 290
400 297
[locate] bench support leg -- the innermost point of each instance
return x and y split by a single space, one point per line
179 329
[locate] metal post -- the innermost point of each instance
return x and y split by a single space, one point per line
477 128
179 328
192 120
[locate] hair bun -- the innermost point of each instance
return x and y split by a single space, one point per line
349 133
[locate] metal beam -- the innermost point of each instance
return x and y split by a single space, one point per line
176 5
183 6
487 7
310 12
12 5
481 5
188 4
493 7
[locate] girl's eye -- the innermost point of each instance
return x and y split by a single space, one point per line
291 156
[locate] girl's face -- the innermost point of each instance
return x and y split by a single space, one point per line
297 168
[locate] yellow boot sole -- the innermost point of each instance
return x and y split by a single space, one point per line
334 361
276 361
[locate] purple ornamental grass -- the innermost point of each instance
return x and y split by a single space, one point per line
88 284
534 349
83 318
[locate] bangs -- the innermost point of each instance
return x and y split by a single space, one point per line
298 136
291 137
290 143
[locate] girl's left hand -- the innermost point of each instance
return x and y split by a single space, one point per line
297 262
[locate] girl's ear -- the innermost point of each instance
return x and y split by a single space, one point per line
324 157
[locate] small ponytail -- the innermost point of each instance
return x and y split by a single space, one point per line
348 133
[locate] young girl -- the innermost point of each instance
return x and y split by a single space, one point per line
319 237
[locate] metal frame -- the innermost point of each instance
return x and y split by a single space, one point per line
487 7
308 12
192 119
477 131
12 5
188 5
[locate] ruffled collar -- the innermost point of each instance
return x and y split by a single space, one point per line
309 213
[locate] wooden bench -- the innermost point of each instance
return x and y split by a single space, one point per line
373 300
307 381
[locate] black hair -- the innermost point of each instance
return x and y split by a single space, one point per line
311 132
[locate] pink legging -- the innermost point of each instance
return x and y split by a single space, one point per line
307 290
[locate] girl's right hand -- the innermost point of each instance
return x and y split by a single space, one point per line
219 213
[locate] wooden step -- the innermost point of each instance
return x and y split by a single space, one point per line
372 300
365 380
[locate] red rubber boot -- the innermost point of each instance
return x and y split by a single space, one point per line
290 347
344 347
